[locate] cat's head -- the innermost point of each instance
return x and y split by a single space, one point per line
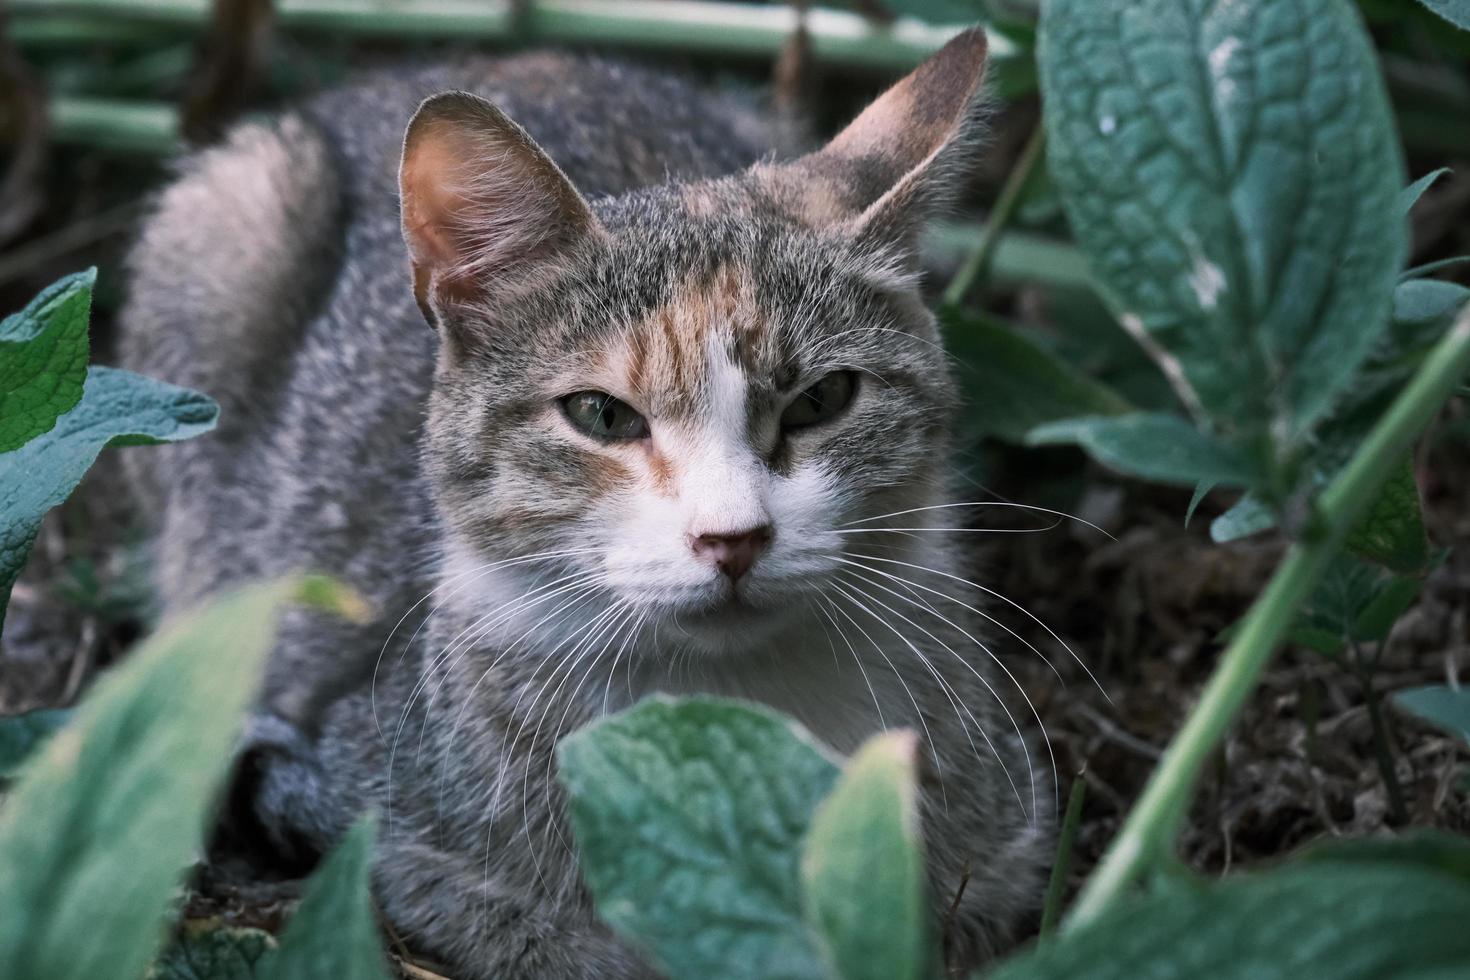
675 403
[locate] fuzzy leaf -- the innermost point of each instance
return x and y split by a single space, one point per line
1232 171
689 817
1427 300
214 952
1248 516
1012 385
98 831
1409 196
863 869
20 735
1391 533
118 408
1444 707
334 932
43 359
1154 446
1457 12
1348 920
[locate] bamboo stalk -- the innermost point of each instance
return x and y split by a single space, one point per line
837 36
150 128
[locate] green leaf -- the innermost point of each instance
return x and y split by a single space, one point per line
20 735
118 408
1155 446
1341 919
1433 850
863 870
689 817
98 831
1457 12
1444 707
1427 300
334 932
214 952
1232 170
1384 609
43 359
1012 386
1391 532
1409 196
1201 491
1248 516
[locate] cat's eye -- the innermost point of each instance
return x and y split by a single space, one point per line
602 416
820 402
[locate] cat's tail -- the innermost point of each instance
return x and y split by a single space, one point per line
235 259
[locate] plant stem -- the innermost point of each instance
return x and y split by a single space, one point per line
1052 907
1155 819
115 124
684 25
1382 753
978 262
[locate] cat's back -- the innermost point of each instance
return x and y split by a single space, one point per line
272 276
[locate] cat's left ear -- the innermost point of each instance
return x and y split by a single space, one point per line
902 159
486 213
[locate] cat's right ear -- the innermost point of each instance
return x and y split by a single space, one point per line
486 214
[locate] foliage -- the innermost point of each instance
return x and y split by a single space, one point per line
1239 208
43 359
863 868
55 440
689 818
333 933
1231 171
20 735
1349 919
97 832
1012 385
1457 12
1442 706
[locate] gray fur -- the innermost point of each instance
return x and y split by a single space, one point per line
355 442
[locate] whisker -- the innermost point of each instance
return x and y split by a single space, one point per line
440 659
955 701
847 557
469 575
927 607
1008 601
960 530
984 503
877 706
918 712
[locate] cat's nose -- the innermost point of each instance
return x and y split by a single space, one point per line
732 553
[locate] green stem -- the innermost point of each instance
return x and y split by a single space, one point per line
837 36
978 262
1052 907
1155 819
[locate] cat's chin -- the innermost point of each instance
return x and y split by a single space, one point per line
730 624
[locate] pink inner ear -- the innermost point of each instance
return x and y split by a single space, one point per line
432 203
483 208
887 154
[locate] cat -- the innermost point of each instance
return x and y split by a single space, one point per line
675 418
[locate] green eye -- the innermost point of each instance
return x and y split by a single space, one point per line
602 416
821 402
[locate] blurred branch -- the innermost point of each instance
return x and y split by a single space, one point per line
977 265
115 124
728 28
226 66
23 124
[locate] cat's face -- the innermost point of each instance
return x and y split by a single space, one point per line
691 415
670 408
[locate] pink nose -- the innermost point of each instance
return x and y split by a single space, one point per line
734 553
